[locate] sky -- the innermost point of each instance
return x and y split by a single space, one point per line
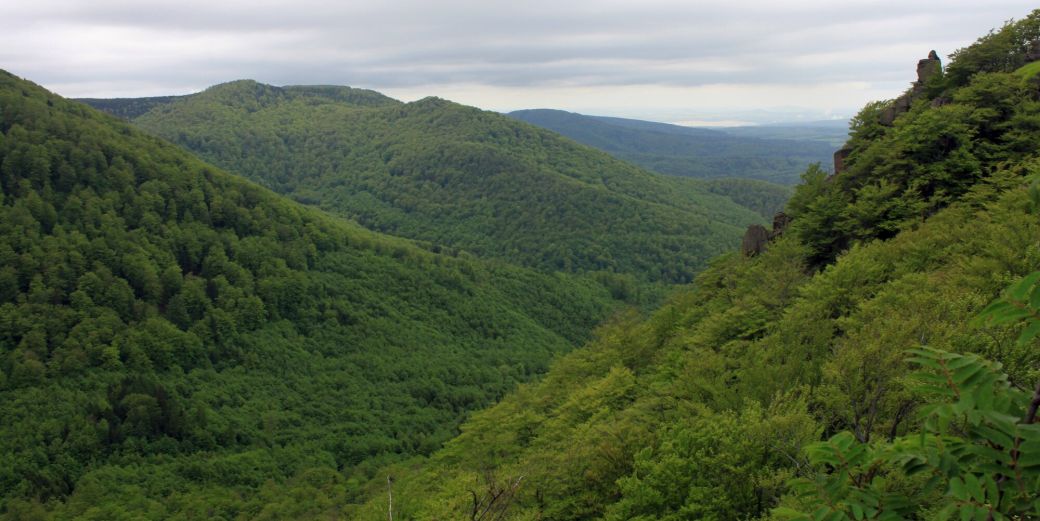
687 61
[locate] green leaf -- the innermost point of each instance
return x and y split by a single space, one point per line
957 489
974 487
1034 298
992 491
1022 288
1028 458
1029 333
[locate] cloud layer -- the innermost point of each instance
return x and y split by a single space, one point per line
652 58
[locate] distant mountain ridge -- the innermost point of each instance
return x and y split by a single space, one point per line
456 177
130 108
688 151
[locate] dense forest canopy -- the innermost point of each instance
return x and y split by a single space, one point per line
175 341
460 178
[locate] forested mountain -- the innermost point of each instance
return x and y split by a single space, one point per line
177 342
708 408
457 177
685 151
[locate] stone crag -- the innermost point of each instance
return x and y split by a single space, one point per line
928 68
757 238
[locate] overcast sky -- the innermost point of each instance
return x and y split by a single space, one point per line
679 61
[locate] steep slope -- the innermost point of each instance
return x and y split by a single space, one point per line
685 151
703 410
458 177
174 339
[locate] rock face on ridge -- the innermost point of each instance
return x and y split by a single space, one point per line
839 159
927 69
757 238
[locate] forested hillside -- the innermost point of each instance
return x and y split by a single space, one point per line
177 342
714 407
457 177
759 196
685 151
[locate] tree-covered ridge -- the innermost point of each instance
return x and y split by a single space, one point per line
715 407
245 91
459 177
685 151
960 128
175 341
127 108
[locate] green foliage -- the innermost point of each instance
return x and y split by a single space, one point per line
176 341
1021 303
1029 70
457 178
764 198
977 456
1003 50
127 108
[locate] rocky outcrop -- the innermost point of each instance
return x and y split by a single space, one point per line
780 222
839 159
927 69
755 240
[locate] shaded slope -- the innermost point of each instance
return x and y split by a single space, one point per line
459 177
173 337
685 151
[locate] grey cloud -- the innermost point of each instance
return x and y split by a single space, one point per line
87 47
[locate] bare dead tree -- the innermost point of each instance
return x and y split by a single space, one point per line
390 497
494 501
